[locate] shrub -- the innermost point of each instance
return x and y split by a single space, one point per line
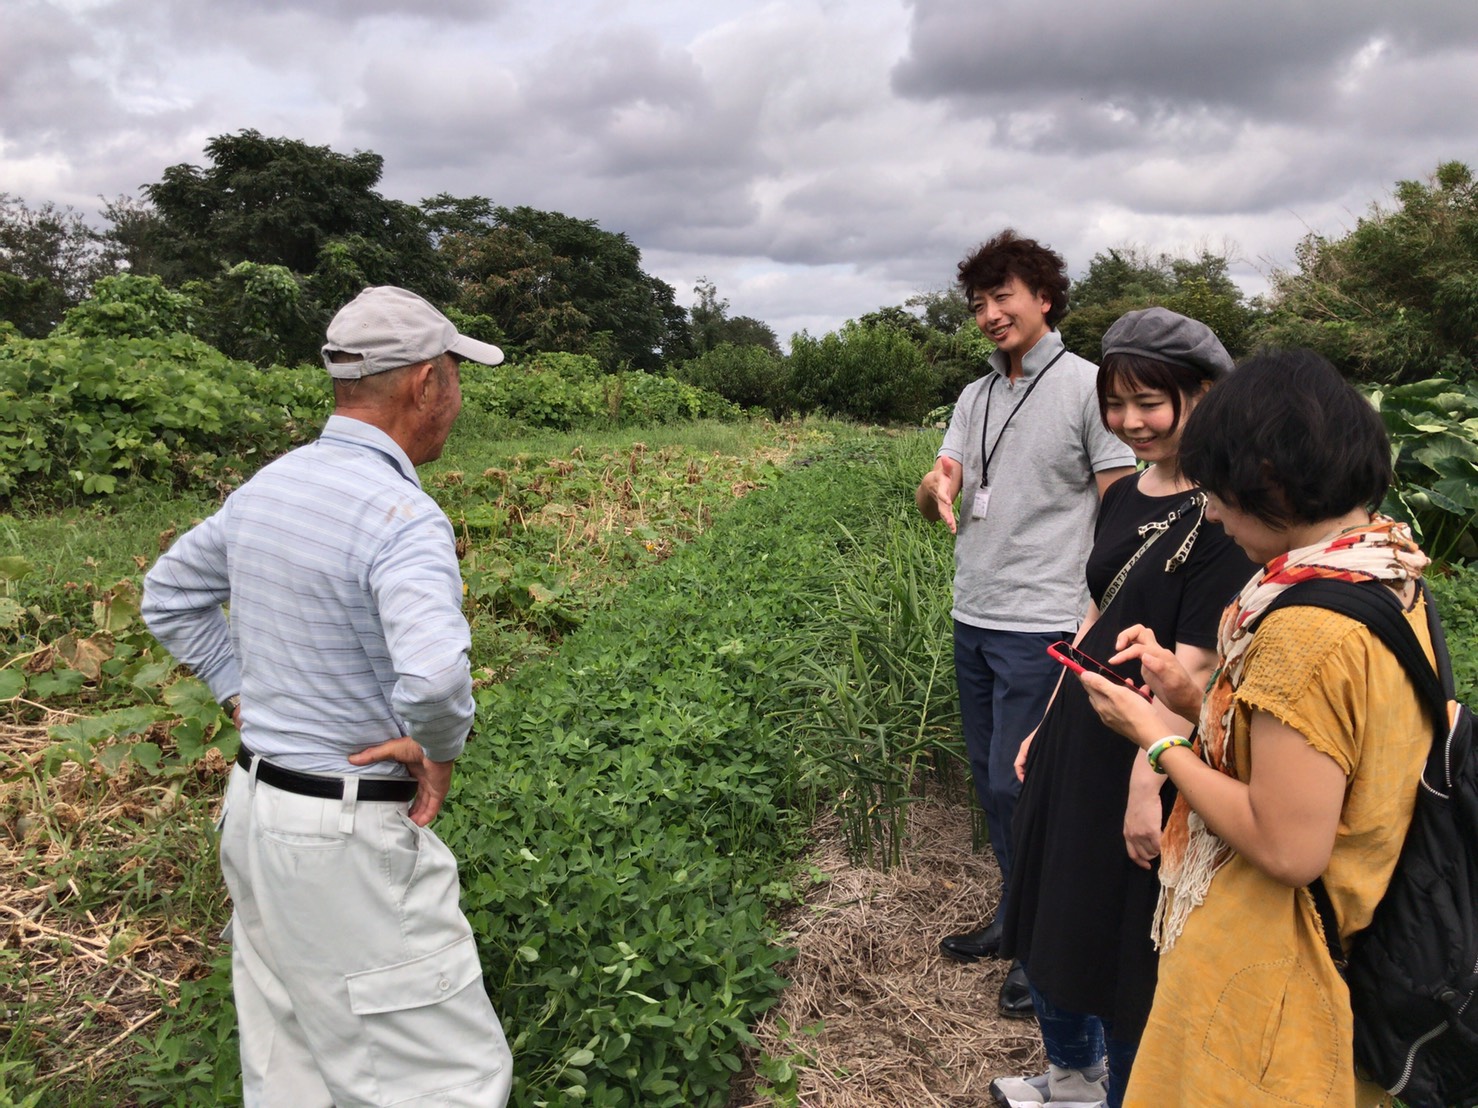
1434 437
870 373
750 376
130 306
91 417
1456 593
565 392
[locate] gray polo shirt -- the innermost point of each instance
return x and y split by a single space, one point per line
1021 567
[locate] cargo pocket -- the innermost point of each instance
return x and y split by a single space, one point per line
428 1024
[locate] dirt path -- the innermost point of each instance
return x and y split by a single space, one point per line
875 1016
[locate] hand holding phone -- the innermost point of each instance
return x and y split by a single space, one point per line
1075 660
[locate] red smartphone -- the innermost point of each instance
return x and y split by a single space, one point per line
1075 660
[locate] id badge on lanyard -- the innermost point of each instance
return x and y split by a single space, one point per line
980 503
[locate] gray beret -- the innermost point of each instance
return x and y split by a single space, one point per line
1168 336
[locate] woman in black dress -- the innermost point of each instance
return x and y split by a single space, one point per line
1087 825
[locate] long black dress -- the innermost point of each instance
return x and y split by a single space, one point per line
1078 911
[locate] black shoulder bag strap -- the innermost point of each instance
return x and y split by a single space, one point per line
1378 608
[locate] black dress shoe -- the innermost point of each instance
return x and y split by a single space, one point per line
1016 995
973 945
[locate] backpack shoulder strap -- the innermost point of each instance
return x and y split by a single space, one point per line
1377 608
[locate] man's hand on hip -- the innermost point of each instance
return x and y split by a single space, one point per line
433 779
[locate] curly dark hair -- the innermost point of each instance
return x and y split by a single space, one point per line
1289 440
1008 255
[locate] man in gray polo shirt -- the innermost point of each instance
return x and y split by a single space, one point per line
1028 458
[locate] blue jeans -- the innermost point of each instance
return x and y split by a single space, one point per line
1005 679
1077 1041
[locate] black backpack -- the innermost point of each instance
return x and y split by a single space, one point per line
1413 973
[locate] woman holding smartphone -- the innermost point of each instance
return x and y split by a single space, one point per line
1310 746
1087 826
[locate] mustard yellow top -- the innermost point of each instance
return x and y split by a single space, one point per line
1249 1010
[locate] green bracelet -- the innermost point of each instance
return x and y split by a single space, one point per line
1154 752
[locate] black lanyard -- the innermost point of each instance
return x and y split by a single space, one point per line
985 424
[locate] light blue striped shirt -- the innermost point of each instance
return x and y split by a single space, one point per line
346 625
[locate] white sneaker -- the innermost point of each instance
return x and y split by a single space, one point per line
1059 1087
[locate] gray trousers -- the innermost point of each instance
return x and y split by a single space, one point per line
355 973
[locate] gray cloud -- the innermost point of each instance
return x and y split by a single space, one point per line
816 160
1267 58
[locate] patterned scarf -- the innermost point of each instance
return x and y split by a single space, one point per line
1191 853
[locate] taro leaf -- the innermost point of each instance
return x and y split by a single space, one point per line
1460 491
1460 405
1455 466
1439 501
12 683
1447 446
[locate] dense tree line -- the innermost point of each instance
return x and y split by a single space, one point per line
252 251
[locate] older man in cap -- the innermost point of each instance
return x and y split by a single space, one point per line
344 663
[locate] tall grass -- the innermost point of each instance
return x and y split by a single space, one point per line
875 704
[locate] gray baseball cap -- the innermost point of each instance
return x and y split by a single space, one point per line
1168 336
388 328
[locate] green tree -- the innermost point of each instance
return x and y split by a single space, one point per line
1128 278
551 282
289 208
944 311
876 373
707 316
750 375
49 259
711 326
942 325
1396 299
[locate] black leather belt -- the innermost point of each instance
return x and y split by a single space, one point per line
326 788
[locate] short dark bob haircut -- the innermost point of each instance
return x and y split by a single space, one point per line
1287 439
1008 255
1135 371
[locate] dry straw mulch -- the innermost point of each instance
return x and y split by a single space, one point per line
880 1016
82 981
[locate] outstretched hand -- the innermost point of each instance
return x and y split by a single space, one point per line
937 492
433 779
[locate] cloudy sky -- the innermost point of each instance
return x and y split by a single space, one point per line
815 158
